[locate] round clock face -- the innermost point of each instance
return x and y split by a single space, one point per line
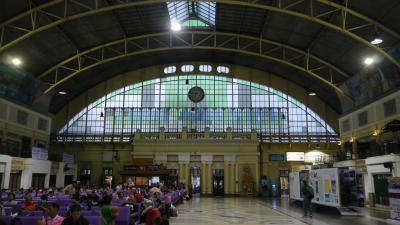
196 94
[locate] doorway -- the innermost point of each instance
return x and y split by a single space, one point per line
284 182
15 181
68 179
195 179
381 188
38 180
53 181
218 182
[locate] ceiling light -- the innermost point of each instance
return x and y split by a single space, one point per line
16 61
368 61
62 92
376 40
175 26
312 94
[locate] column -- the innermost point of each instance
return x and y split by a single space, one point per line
233 180
206 171
187 178
184 160
257 178
354 153
209 179
230 180
181 173
237 178
203 179
226 179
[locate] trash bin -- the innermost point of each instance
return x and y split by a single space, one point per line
371 199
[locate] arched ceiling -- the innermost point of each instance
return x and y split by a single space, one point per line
44 33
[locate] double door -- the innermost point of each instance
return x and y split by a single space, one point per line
218 182
218 185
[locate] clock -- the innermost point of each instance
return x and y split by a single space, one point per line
196 94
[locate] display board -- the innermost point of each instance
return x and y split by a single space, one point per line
325 183
294 183
295 156
40 153
394 197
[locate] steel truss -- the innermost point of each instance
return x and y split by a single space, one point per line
14 30
248 45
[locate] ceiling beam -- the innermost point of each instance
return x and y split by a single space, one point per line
158 42
95 7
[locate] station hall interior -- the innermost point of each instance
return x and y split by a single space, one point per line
192 112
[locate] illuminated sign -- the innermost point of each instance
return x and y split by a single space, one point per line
294 156
276 157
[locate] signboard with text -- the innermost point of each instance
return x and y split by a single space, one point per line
294 156
40 153
394 197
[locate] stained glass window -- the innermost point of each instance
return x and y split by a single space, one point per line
240 105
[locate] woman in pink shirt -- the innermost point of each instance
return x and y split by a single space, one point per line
53 218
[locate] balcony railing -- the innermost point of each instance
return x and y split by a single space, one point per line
176 136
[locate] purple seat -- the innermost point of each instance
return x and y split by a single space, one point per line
94 220
90 213
64 202
14 207
8 211
31 213
123 217
27 220
6 219
139 215
62 213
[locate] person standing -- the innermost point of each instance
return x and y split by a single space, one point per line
308 195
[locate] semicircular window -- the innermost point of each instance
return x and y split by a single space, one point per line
241 105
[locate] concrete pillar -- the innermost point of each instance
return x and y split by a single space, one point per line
187 173
184 160
226 178
209 179
354 153
237 178
203 179
232 172
229 160
206 172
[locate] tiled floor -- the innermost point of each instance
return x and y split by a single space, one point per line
253 211
218 211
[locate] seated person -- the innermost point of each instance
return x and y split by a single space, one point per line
108 212
91 200
74 201
76 217
53 218
133 210
162 219
11 199
154 212
121 196
43 204
28 204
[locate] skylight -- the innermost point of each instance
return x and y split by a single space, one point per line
192 14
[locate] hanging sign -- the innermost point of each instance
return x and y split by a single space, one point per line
295 156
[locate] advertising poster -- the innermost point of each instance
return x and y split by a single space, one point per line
325 183
294 183
40 153
394 197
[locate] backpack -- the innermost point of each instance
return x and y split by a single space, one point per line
310 191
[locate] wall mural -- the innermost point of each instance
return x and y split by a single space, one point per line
17 84
371 83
